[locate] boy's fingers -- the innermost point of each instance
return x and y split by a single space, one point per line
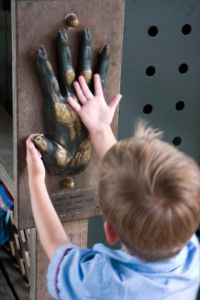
115 101
97 86
85 89
79 93
33 153
31 136
31 149
76 106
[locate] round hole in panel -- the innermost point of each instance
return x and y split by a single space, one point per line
180 105
183 68
147 109
153 31
150 71
177 141
186 29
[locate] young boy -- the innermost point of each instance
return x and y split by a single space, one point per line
149 193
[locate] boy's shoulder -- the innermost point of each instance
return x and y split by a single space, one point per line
186 255
91 270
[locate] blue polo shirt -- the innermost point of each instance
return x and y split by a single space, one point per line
104 274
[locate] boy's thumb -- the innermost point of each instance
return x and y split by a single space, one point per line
30 148
115 101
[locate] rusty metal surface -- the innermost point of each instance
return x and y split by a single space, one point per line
37 23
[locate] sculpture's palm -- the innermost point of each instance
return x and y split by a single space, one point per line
66 146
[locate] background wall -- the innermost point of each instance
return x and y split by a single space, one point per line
5 56
160 75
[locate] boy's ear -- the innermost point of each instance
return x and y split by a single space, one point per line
111 235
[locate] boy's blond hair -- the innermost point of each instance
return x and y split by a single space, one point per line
149 192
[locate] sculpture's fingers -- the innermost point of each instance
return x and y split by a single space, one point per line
85 62
98 90
66 69
41 142
47 77
55 156
103 64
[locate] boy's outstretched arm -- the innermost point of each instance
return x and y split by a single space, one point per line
50 230
95 113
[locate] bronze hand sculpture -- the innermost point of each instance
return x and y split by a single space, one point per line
66 146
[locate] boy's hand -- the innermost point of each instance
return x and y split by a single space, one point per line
35 165
93 110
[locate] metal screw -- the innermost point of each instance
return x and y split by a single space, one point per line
71 20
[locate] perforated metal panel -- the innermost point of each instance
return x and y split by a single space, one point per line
160 73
